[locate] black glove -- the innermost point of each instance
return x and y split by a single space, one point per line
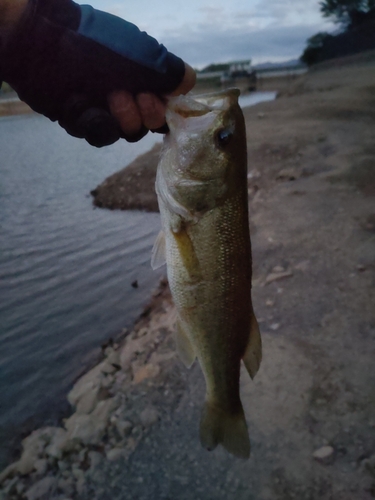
64 59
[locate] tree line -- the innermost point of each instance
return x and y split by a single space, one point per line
349 15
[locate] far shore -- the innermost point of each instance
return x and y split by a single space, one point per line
10 105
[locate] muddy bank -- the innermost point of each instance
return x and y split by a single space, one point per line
133 187
311 408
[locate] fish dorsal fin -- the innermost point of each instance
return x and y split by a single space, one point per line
183 345
158 252
253 352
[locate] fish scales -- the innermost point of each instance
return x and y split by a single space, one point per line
202 193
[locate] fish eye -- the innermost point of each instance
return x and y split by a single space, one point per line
223 137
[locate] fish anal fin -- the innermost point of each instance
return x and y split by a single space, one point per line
158 251
227 429
253 352
183 345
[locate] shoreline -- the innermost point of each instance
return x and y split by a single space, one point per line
100 425
13 107
310 186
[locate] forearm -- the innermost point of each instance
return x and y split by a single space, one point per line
10 12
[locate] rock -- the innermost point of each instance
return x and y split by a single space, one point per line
324 455
82 456
114 358
270 303
88 401
115 454
41 466
124 427
33 447
369 464
80 477
57 444
42 488
275 326
108 368
144 372
85 428
135 284
81 486
367 484
131 348
85 384
10 487
95 458
20 488
66 486
9 471
62 465
157 358
108 381
121 381
89 429
149 417
104 409
78 473
26 463
276 276
107 351
288 174
131 444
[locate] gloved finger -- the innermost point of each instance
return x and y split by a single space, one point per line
152 110
84 119
125 110
136 137
73 108
99 128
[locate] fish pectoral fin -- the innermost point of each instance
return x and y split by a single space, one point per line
183 345
253 352
158 252
228 429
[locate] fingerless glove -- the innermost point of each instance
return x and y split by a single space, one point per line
64 59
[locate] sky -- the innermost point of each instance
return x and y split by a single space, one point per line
202 32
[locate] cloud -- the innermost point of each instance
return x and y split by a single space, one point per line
204 45
201 31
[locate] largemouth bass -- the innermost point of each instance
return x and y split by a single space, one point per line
201 186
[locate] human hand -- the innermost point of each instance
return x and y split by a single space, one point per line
98 75
146 109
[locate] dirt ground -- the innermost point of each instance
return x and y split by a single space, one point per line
311 408
311 194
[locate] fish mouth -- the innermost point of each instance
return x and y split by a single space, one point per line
198 105
195 106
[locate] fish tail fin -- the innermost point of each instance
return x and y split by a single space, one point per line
229 429
253 352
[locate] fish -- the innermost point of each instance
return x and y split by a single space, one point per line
201 186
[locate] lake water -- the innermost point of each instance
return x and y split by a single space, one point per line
65 269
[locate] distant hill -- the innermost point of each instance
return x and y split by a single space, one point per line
284 64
